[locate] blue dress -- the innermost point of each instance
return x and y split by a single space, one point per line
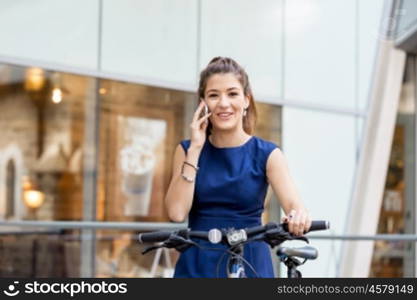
230 190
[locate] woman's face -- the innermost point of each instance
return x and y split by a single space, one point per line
225 99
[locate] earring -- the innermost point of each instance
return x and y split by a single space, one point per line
245 111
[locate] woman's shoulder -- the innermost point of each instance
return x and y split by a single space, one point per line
185 144
262 150
264 144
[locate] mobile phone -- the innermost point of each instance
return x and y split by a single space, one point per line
205 111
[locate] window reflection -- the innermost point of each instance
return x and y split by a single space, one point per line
41 144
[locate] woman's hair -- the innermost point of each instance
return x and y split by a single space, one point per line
223 65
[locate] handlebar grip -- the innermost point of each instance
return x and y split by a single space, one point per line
315 225
319 225
153 237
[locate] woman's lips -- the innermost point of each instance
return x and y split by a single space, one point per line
224 116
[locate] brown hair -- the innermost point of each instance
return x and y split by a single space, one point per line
223 65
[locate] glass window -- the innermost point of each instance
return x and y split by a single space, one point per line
397 214
39 253
42 121
119 255
407 17
140 127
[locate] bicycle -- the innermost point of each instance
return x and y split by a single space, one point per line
272 233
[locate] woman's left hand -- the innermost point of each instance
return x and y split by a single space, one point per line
299 222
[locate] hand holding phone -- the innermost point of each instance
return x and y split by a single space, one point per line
199 125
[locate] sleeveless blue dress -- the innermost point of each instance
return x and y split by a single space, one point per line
230 190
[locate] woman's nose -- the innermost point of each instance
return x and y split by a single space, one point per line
224 101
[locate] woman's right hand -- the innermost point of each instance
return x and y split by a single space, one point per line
199 126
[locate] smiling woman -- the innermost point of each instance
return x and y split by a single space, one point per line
221 175
226 101
224 80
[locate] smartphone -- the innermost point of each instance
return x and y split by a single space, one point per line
205 111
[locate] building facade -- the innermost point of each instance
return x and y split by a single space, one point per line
93 102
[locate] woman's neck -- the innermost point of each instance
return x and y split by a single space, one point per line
228 139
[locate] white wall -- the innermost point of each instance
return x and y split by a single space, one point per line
251 33
369 33
156 40
319 52
320 149
57 32
330 46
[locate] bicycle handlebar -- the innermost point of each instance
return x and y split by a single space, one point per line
272 233
160 236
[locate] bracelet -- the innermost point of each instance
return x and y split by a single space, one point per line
182 171
191 165
187 178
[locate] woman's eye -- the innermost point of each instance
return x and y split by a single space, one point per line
212 96
234 94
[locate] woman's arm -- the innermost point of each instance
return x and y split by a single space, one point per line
180 194
280 179
179 197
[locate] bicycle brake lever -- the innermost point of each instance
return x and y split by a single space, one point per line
150 248
302 238
276 237
178 243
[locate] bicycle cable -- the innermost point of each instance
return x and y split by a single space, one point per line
227 251
246 262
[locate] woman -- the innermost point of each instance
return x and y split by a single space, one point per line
221 175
